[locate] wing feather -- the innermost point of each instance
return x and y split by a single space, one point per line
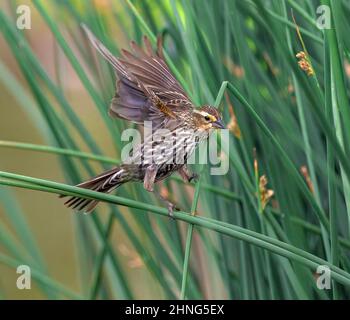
146 89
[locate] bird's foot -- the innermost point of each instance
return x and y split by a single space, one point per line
193 177
171 208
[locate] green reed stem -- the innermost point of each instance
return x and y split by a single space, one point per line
265 242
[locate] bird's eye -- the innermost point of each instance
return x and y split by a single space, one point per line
207 118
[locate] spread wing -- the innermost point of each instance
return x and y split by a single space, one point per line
146 89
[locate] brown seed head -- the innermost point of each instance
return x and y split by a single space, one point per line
304 63
265 194
305 173
233 124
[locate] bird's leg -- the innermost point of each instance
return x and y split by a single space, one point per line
148 183
187 175
150 176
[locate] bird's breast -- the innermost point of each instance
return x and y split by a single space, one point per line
168 147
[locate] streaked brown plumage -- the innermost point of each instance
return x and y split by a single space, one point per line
147 91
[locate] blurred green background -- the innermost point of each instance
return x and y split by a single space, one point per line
50 221
288 125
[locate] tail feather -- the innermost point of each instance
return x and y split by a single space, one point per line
105 182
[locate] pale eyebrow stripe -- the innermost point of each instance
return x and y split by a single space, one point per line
204 114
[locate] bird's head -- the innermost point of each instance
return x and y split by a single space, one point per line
207 117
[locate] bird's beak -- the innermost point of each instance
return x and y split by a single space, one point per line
218 124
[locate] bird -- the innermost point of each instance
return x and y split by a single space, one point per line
147 92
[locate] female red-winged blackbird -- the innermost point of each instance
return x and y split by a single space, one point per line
147 91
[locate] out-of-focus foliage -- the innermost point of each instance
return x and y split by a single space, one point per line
264 227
